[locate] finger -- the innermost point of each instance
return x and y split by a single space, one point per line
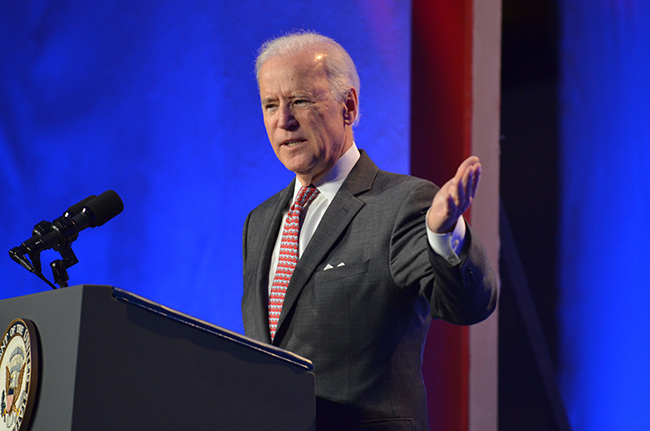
476 178
467 177
462 189
467 164
452 194
467 180
467 190
470 179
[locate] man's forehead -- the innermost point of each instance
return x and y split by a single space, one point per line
296 73
307 61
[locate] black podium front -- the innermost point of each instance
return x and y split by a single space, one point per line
110 360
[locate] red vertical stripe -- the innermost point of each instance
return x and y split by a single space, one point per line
441 114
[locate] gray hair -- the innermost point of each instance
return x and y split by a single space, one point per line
341 71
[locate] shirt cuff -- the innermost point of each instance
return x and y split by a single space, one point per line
448 245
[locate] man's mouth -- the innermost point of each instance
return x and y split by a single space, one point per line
293 142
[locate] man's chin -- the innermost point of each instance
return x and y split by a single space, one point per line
305 176
298 165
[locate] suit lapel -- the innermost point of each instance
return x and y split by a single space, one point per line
336 219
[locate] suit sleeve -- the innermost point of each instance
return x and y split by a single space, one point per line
462 294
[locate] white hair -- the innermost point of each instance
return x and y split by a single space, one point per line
341 71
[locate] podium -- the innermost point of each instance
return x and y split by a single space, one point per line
110 360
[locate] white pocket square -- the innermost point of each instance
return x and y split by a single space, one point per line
329 266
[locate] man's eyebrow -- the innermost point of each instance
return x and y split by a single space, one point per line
301 95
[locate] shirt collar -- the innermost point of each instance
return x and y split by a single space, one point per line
330 183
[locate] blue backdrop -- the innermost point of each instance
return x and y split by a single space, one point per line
605 131
158 101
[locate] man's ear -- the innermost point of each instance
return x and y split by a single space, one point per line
351 107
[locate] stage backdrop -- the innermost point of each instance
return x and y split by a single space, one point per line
605 120
158 101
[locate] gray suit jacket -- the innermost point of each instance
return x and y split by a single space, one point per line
363 324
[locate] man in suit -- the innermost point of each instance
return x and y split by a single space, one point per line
378 254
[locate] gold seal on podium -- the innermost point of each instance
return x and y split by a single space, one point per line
18 375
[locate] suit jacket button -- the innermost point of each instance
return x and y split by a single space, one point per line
469 276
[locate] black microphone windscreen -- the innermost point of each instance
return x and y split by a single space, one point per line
104 207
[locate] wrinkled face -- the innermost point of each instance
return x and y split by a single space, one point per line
308 129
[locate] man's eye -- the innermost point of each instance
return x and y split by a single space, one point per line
300 102
270 107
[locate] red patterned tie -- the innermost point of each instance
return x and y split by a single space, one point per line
288 255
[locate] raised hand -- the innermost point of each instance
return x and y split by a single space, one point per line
455 196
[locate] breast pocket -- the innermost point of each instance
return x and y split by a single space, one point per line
332 299
339 271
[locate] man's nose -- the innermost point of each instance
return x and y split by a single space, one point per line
287 120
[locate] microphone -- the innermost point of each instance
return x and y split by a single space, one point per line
91 212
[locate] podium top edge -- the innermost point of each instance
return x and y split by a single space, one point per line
139 301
